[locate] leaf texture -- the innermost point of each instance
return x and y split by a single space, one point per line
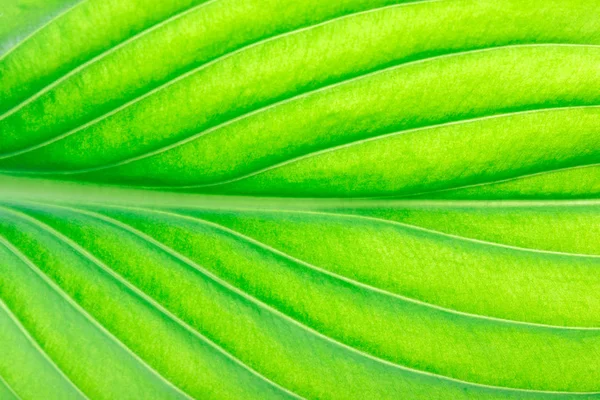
245 199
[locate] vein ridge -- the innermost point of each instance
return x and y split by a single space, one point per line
192 71
286 317
354 282
12 392
80 309
40 28
4 242
98 57
359 142
140 293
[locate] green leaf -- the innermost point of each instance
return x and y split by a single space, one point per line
253 199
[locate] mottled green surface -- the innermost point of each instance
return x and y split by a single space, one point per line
22 18
255 199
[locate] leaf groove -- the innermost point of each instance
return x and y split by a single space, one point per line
141 294
215 128
96 58
383 137
83 312
187 73
367 286
32 340
275 311
35 343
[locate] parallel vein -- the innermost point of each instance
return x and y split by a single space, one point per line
82 311
275 311
361 284
141 294
95 59
268 107
359 142
184 74
33 341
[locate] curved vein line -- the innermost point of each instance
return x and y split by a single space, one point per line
404 196
337 212
139 292
82 311
431 232
33 341
250 299
499 181
351 281
200 68
96 58
434 232
372 139
9 388
301 95
44 25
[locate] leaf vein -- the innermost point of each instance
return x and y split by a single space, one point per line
40 28
188 73
249 298
32 340
210 130
383 137
355 282
139 292
98 57
81 310
12 392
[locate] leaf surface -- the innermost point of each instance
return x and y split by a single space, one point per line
244 199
